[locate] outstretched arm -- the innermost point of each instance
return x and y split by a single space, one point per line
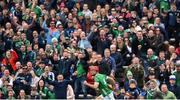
71 92
111 83
94 86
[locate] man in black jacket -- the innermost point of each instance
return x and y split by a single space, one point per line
23 81
60 86
110 61
102 42
173 87
140 44
64 65
117 56
103 67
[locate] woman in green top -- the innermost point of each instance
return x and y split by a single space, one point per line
104 83
42 90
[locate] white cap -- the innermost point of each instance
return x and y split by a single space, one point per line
58 23
138 28
172 77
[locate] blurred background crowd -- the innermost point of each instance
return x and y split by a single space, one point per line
47 48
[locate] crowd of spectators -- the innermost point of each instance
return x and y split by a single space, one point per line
109 49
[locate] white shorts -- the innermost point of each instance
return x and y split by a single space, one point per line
109 97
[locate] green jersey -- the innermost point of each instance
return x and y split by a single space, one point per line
39 72
103 86
164 5
80 70
177 74
36 9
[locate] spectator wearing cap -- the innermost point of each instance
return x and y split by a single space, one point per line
129 76
113 14
59 26
173 87
133 89
177 73
50 32
82 20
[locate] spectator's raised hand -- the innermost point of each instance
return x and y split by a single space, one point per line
75 73
139 47
45 17
35 16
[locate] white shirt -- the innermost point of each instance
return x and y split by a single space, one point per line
35 81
